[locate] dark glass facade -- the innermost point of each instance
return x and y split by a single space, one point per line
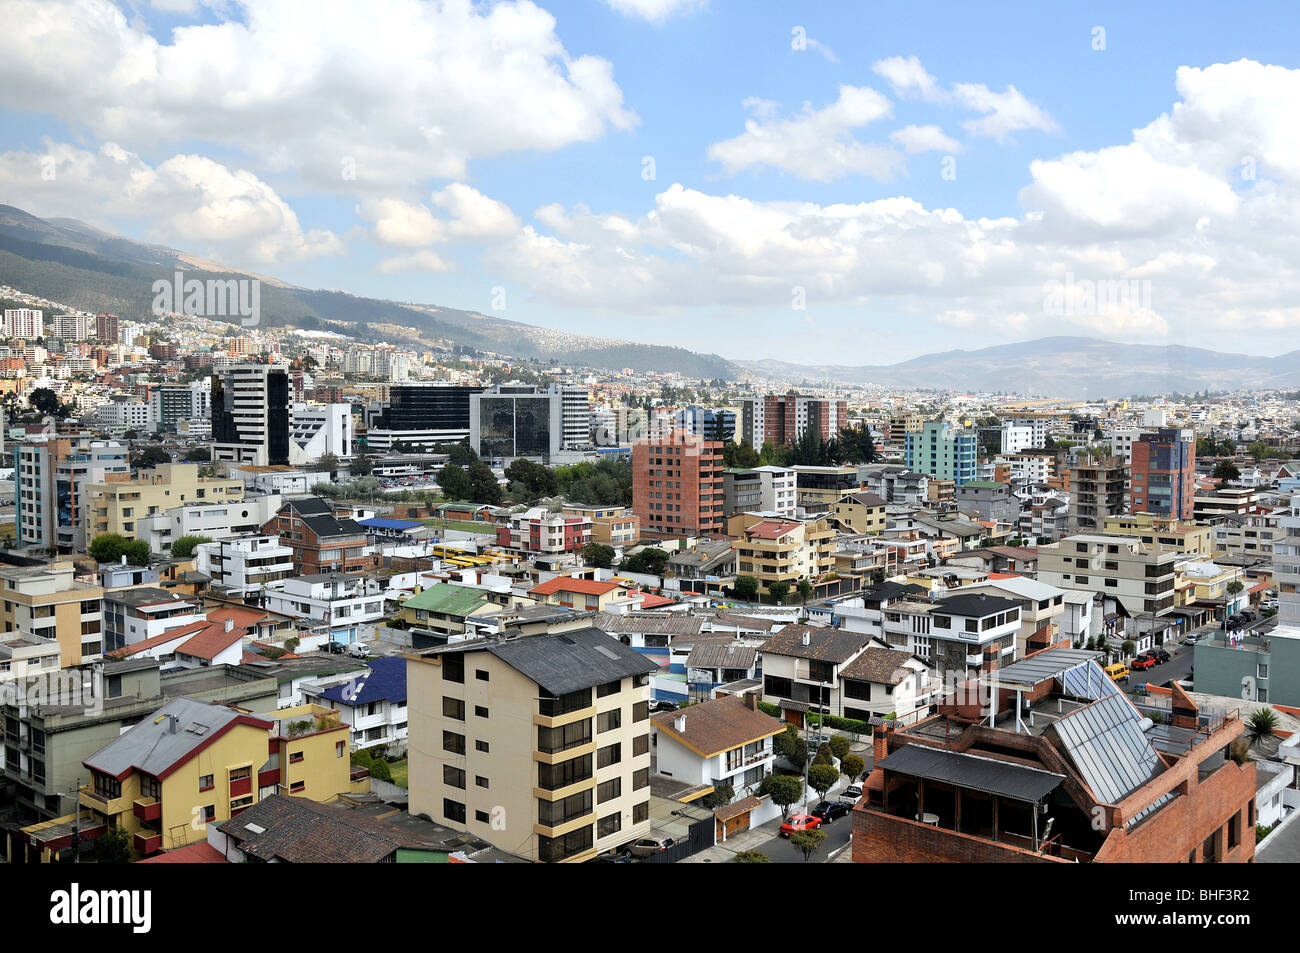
515 425
423 407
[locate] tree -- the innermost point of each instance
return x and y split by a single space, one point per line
380 771
750 857
329 463
1129 647
745 588
650 561
598 555
483 485
462 455
198 455
184 547
151 457
113 847
1262 723
362 465
808 842
779 590
529 480
454 482
1226 471
805 590
822 777
1235 587
840 746
791 746
739 456
722 795
111 547
44 401
784 790
852 766
1258 450
856 445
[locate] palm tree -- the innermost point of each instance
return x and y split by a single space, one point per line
1261 724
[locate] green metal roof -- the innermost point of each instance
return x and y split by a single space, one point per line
448 599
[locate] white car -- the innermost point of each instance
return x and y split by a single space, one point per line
359 650
851 794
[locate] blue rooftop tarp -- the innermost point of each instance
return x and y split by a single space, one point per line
386 681
381 523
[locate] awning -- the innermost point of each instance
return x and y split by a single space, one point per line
973 772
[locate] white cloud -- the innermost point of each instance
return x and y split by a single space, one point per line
653 11
814 143
471 216
421 261
916 139
202 206
395 93
1167 213
822 48
1004 113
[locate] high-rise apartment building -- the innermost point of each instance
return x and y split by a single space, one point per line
707 422
943 452
677 487
69 327
108 328
50 479
575 412
1286 567
169 404
782 418
1164 473
538 744
1096 491
26 323
250 415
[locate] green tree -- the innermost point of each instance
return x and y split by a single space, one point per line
198 455
362 758
745 588
1260 724
808 842
1226 471
822 777
598 555
805 590
856 445
852 766
739 456
784 790
1235 587
151 457
650 561
329 463
779 590
362 465
790 745
840 745
750 857
484 488
380 771
454 482
462 455
44 401
722 795
184 547
530 481
1129 647
1257 450
111 547
113 847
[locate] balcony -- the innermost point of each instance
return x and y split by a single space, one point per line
147 809
147 843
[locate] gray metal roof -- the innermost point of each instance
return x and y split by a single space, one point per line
1106 742
973 772
563 662
153 746
1042 666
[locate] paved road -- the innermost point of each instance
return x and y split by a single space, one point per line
780 851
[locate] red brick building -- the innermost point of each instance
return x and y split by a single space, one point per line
1164 473
321 541
677 485
1063 768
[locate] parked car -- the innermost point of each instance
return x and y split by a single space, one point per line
1117 672
334 648
650 845
1160 655
1248 616
663 706
614 857
359 650
816 741
800 822
827 811
851 794
1193 638
1142 662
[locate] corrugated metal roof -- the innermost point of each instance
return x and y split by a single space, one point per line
973 772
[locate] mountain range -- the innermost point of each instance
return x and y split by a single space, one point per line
81 266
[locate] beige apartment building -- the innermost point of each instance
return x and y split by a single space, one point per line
49 602
1190 539
782 550
611 525
115 506
1139 576
537 744
861 513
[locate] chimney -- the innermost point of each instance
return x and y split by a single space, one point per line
171 724
679 724
807 638
124 559
230 625
880 743
751 701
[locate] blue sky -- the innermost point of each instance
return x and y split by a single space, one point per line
516 162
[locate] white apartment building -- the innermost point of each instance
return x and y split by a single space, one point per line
70 327
23 655
131 414
347 606
213 520
1138 576
1286 566
1016 438
318 429
372 703
244 564
26 323
575 415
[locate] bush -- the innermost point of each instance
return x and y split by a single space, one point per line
822 777
852 766
840 746
379 770
361 758
750 857
839 724
773 711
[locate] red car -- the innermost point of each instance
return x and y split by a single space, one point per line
1142 662
800 822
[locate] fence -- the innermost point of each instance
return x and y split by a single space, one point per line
699 837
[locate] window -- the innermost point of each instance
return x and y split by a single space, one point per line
552 706
453 668
453 742
611 824
553 740
206 783
552 849
150 787
481 817
641 812
609 790
641 711
295 757
297 786
106 788
612 754
1234 831
551 777
453 777
609 688
480 781
641 779
481 746
453 810
640 745
453 708
481 675
339 748
555 813
480 711
609 720
209 813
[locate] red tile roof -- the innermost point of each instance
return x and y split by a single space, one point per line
569 584
200 853
203 639
772 529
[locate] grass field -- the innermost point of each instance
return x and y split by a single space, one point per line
465 526
399 769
